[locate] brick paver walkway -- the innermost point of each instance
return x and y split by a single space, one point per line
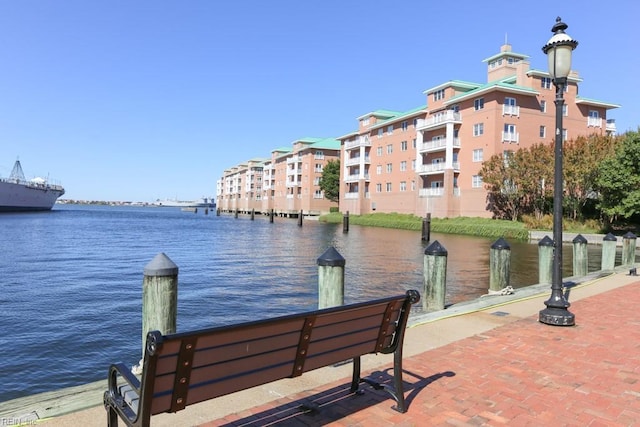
521 374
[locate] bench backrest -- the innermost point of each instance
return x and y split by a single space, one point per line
185 368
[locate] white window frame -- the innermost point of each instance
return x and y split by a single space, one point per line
478 104
478 129
476 181
478 155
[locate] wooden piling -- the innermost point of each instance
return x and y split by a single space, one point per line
300 218
629 249
218 212
434 277
345 222
500 265
159 296
545 260
271 216
608 252
580 256
426 228
253 214
236 213
330 279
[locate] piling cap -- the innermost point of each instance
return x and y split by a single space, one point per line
501 244
609 238
629 235
331 258
546 241
579 239
435 249
161 265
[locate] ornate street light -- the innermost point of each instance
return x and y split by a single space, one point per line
558 50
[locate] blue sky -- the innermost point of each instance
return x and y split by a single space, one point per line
143 100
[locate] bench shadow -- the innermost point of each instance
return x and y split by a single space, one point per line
336 403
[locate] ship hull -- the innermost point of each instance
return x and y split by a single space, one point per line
25 197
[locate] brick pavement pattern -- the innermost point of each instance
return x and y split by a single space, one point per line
521 374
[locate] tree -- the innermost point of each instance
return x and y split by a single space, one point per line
517 181
581 157
330 180
618 182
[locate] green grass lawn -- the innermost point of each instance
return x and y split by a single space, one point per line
483 227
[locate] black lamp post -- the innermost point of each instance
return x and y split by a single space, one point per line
558 50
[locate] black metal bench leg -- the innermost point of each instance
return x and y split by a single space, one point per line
397 380
355 379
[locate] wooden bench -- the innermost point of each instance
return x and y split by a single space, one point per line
185 368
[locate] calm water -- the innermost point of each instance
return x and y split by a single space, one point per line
72 279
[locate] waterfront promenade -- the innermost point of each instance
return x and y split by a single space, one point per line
487 362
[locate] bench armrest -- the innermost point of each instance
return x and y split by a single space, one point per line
114 399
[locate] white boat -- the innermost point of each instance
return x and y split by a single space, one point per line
17 194
203 202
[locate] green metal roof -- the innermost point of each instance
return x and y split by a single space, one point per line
326 144
460 84
596 103
400 116
489 87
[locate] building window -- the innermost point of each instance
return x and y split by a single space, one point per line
379 151
388 187
478 155
365 122
380 132
543 132
546 82
414 142
405 126
389 167
318 167
316 180
413 186
319 155
543 106
378 188
476 181
403 146
403 185
413 164
318 194
478 129
478 104
379 169
390 129
565 135
415 123
403 165
389 148
438 95
565 110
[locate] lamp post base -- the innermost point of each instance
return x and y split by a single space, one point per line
557 317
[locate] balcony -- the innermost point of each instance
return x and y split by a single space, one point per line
294 159
437 145
431 192
511 110
359 142
510 137
355 161
435 168
356 177
611 126
595 122
439 120
293 184
351 196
